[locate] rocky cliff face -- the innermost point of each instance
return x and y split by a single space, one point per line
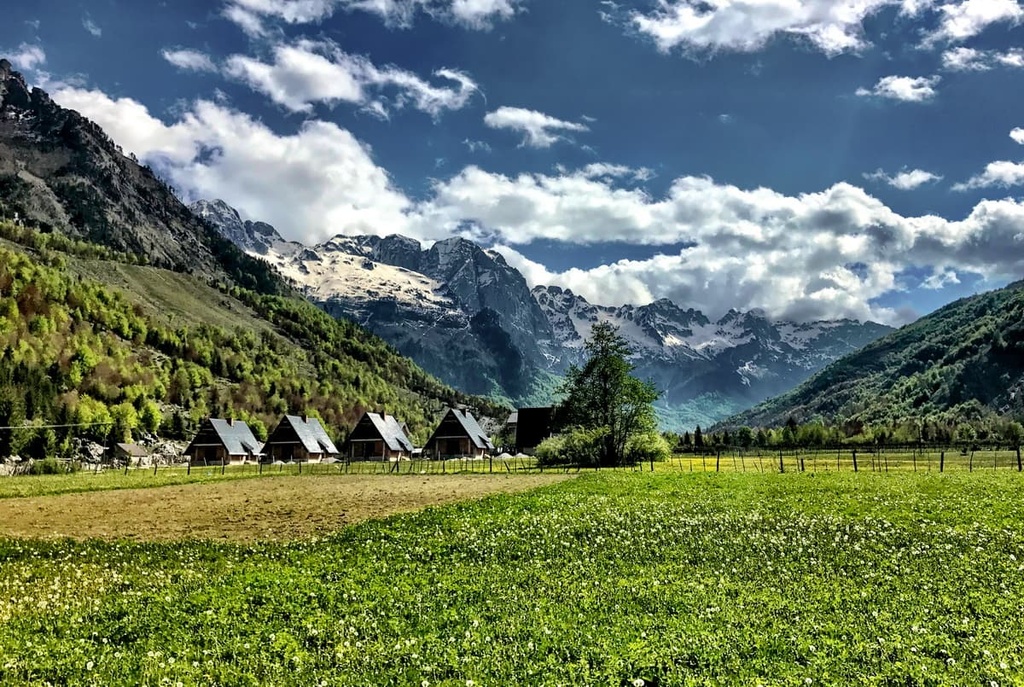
61 172
465 315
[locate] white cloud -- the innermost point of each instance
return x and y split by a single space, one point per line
1012 58
941 278
965 60
905 180
539 130
312 184
474 14
477 146
311 72
191 60
1018 135
962 59
1001 174
249 22
814 255
92 27
904 88
28 57
962 20
747 25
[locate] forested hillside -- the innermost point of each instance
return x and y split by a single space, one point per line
962 363
74 351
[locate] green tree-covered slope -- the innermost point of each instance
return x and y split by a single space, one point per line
958 364
131 358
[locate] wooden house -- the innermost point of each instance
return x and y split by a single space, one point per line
458 434
302 439
223 441
130 453
378 436
533 425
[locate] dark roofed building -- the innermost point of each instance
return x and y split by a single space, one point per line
223 441
533 425
301 439
378 436
458 434
130 453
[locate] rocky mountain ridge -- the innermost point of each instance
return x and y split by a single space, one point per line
466 315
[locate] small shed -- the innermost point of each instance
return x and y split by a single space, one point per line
458 434
301 439
379 436
223 441
533 425
130 453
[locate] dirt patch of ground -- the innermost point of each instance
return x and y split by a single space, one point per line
274 508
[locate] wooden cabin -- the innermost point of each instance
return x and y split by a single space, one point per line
301 439
458 434
220 442
379 436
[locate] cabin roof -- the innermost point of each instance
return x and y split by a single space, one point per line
134 450
513 418
236 436
390 431
312 434
470 426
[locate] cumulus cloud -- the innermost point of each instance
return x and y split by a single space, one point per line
962 59
747 26
190 60
1018 135
312 184
475 14
825 254
940 279
27 57
965 60
905 180
816 255
309 72
962 20
1001 174
832 27
539 130
907 89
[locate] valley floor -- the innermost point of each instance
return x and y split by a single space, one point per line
612 578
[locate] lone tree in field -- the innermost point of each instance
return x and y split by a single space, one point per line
604 398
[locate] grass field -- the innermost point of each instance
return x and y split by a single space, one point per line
611 578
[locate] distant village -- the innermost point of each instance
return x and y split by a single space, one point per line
376 437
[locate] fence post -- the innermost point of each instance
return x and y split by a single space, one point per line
782 468
155 464
942 461
1020 467
855 460
970 463
718 460
223 463
188 467
801 462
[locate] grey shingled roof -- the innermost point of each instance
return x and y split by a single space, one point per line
391 432
238 438
513 418
312 434
133 450
476 434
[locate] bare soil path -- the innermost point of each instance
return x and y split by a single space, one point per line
245 510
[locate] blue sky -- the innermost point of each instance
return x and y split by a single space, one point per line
816 159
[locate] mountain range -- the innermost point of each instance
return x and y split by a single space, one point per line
466 315
960 363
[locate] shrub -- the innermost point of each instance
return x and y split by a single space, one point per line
647 447
52 466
